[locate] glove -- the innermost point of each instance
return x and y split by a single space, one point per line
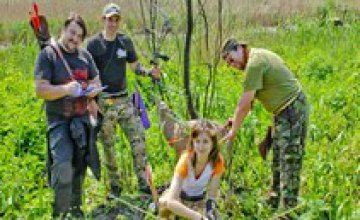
75 89
211 208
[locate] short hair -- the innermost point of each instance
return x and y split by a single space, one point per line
78 20
231 44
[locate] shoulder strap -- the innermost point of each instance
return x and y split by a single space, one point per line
113 49
56 48
119 38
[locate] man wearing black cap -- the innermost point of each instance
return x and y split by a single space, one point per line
111 51
269 80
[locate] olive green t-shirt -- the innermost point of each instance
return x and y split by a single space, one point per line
267 74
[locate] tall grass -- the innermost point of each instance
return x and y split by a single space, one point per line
248 11
237 14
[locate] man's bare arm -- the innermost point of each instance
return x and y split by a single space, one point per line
50 92
242 109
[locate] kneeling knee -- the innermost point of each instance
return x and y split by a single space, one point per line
164 211
163 202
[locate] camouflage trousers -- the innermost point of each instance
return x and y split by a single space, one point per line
290 128
120 111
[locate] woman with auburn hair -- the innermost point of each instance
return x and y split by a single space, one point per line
201 165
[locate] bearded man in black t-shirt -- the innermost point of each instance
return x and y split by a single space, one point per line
111 51
63 72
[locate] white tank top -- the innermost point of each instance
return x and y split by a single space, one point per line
196 187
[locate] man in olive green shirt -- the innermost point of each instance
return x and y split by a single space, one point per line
268 80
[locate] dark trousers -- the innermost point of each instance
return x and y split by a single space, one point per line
67 169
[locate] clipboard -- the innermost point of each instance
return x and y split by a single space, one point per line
91 90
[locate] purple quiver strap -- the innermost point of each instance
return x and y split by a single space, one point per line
139 104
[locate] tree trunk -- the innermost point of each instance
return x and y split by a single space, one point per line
202 12
145 29
218 44
153 17
189 103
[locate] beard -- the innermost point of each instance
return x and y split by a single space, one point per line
70 45
242 66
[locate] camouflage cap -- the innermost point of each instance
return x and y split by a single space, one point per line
231 44
111 9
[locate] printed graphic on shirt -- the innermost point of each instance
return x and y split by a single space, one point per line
121 53
80 75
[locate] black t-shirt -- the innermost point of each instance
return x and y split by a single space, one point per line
50 67
110 58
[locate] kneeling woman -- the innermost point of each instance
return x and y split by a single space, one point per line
200 167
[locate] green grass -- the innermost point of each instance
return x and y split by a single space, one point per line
326 60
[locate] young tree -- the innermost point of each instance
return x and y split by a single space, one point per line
189 30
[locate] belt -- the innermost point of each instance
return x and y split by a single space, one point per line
186 197
287 103
112 98
116 95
